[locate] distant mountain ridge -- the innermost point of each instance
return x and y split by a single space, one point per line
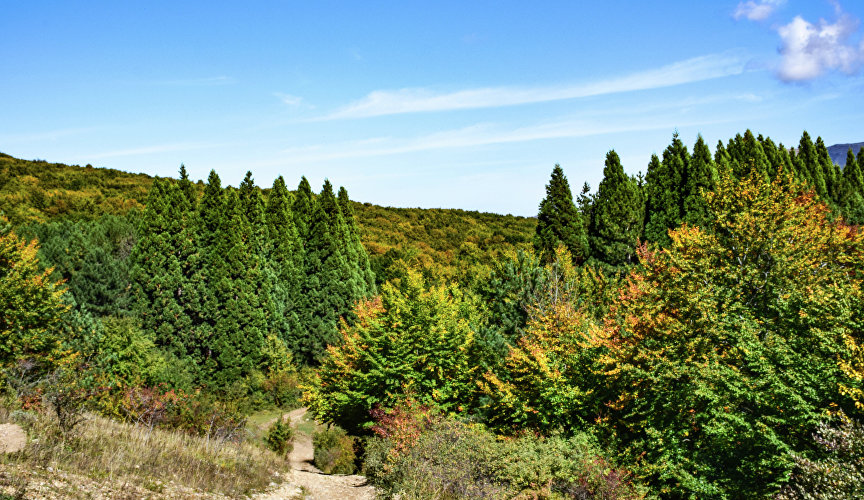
838 151
37 191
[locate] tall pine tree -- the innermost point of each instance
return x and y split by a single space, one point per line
304 204
332 284
559 223
701 179
358 252
617 216
286 259
665 189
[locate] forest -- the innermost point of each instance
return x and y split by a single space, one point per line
693 332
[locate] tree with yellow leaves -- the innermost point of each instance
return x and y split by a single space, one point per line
30 302
728 347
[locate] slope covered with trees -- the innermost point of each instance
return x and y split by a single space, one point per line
691 333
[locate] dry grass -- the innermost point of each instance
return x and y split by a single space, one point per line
110 452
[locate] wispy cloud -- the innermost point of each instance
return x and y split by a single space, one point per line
757 11
288 99
390 102
473 136
160 148
810 50
195 82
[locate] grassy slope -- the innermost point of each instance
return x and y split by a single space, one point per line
38 191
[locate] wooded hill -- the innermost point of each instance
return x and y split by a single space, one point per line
33 192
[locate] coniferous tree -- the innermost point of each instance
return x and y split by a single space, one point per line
239 325
252 208
286 259
304 204
558 222
808 165
157 272
665 189
332 284
852 191
747 155
772 154
186 186
830 172
786 162
617 216
701 179
358 252
585 203
722 159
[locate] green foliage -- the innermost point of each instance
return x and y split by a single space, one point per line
37 191
92 257
31 306
617 216
701 179
334 451
726 344
558 222
415 338
665 184
280 435
334 281
450 459
839 473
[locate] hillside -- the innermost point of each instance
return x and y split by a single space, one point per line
838 151
39 191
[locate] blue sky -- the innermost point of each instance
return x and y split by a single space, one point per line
438 104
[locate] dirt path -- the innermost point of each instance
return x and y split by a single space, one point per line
306 481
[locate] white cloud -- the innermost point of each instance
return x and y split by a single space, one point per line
473 136
290 100
195 82
390 102
757 11
810 50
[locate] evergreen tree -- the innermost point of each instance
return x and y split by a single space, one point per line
617 217
286 258
852 191
304 203
186 187
772 154
722 159
666 184
332 284
157 273
358 252
252 208
239 325
808 165
558 222
747 155
701 179
830 172
786 162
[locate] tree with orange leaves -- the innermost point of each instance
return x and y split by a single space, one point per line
30 302
727 348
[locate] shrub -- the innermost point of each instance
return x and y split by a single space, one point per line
571 467
448 460
451 459
334 451
837 475
279 437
